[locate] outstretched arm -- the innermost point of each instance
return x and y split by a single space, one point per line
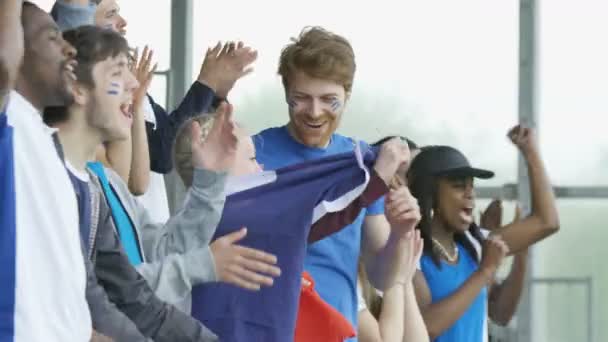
11 46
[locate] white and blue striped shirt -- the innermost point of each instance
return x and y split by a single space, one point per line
42 274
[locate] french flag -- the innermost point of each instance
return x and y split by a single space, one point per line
278 208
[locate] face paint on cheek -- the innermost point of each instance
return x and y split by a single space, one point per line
292 103
114 87
335 104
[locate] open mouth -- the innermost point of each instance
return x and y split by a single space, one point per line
314 125
466 215
68 67
127 110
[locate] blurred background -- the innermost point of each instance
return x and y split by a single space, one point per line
443 72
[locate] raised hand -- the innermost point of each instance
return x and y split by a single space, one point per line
402 211
493 253
393 154
491 218
415 246
217 152
524 138
225 64
143 70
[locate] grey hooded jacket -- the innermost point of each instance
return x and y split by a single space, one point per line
129 291
176 254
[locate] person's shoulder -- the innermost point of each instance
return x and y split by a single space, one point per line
346 142
426 261
272 134
343 139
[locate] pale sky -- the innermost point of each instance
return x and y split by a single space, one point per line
448 66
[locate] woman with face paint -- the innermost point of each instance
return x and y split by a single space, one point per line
458 263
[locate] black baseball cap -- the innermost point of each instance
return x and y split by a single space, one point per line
446 161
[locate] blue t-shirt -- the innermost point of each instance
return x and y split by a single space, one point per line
443 282
122 221
83 195
332 262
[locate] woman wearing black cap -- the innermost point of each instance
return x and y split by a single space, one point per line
451 286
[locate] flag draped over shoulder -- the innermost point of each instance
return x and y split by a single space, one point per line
278 209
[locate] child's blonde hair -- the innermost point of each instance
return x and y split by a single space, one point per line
182 150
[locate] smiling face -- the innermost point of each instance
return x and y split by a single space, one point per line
108 16
105 85
48 64
315 108
109 109
317 71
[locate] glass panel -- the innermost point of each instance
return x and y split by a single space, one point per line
573 78
561 312
563 263
578 251
158 90
150 24
439 72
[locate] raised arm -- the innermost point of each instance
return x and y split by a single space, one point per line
130 157
222 67
543 219
504 297
11 47
195 224
400 318
382 240
390 158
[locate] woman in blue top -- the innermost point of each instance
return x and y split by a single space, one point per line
459 264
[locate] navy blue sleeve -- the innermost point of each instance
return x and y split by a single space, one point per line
198 100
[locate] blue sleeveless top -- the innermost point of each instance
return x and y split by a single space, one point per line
443 282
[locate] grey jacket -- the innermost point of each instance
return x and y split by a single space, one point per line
129 291
176 254
107 319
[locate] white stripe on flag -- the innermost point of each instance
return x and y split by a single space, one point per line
343 201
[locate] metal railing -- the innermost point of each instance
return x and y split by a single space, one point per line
509 192
509 333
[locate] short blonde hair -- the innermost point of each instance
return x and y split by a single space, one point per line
182 149
320 54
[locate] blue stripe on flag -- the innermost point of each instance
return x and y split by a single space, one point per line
8 234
